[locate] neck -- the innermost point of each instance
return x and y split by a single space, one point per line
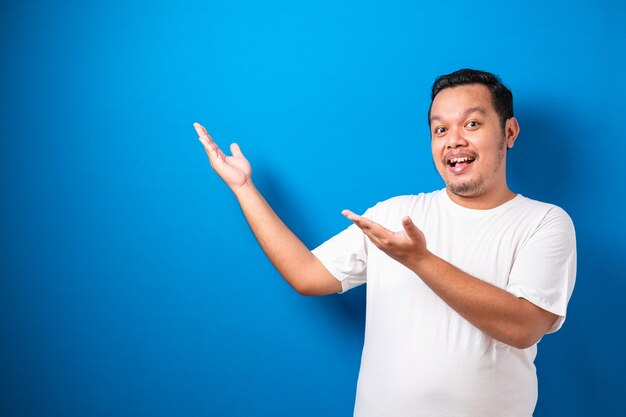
483 201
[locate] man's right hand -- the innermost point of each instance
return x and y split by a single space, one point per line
300 268
235 170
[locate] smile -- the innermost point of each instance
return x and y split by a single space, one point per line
462 160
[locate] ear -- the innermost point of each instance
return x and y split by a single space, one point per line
511 130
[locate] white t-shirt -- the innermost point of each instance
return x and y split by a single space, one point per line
421 358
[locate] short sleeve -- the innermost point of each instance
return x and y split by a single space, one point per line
345 257
544 269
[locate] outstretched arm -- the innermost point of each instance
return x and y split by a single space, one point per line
295 262
503 316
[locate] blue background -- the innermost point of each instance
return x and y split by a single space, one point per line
131 284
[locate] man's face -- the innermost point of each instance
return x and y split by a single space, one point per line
468 142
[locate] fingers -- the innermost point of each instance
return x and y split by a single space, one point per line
207 145
235 150
369 227
201 131
410 228
349 215
198 128
204 136
361 222
378 233
401 245
212 150
211 147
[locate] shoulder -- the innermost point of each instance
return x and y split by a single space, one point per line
546 215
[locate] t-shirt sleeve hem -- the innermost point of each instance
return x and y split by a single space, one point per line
528 293
347 281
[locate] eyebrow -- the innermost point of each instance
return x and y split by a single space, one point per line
467 112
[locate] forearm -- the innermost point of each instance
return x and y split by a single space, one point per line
498 313
295 262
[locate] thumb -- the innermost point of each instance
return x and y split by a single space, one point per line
410 228
235 150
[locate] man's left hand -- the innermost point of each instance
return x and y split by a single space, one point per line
407 246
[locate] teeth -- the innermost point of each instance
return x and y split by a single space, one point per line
456 160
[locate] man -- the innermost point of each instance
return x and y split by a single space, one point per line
462 282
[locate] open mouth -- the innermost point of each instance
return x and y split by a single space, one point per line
465 160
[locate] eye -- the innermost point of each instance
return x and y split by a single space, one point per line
439 130
472 124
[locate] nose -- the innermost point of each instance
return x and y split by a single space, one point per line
455 139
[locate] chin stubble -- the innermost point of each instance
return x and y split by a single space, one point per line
476 187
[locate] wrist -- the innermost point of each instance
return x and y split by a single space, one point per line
244 190
421 263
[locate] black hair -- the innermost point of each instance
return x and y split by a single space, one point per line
501 97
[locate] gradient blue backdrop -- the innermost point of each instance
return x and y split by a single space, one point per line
130 282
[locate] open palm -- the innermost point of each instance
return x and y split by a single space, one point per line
235 170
